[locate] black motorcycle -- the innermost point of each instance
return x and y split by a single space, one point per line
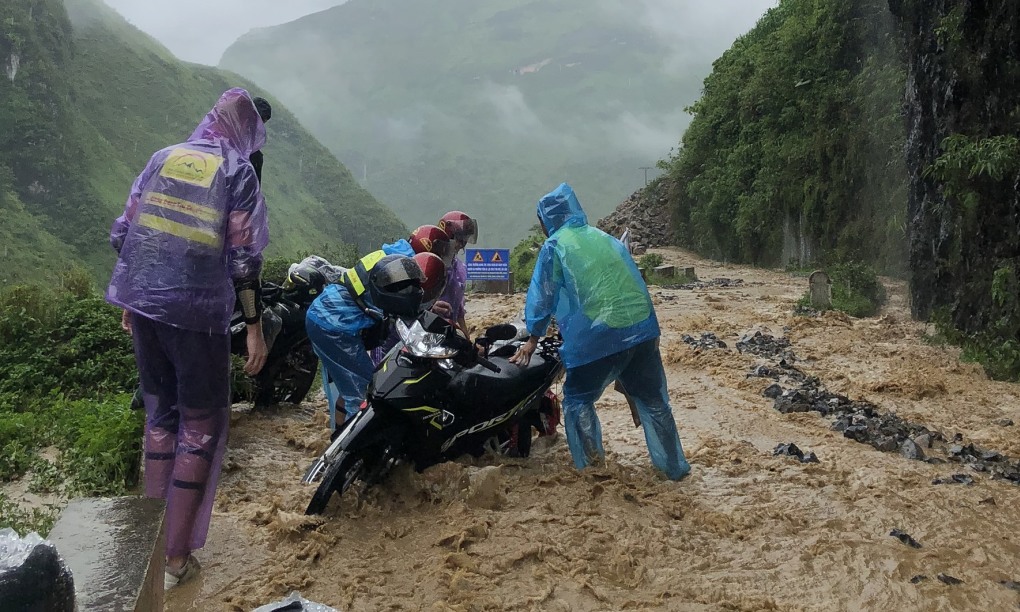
291 364
435 397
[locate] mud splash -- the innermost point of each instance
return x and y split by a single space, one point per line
747 531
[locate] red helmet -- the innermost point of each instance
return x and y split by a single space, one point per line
435 277
460 226
431 239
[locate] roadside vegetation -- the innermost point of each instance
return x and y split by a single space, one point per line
856 290
66 369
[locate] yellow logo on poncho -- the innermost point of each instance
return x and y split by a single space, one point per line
190 166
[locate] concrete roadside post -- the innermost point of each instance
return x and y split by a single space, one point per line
820 288
115 550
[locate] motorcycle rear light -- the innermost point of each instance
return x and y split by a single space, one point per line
364 405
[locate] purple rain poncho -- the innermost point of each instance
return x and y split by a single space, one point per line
194 223
456 282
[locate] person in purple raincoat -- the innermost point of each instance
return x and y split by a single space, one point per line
189 245
463 230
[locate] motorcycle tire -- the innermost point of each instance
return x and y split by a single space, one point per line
338 479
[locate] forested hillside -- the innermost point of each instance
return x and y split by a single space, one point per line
882 131
795 150
84 101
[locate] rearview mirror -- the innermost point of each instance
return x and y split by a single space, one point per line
504 331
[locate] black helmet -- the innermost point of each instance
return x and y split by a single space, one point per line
264 108
395 285
305 281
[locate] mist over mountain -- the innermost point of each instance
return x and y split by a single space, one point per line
486 105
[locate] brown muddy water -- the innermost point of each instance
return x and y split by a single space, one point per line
746 531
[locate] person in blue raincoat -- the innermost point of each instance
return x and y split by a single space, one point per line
351 318
425 239
587 280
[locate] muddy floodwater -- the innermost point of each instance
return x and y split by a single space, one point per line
746 531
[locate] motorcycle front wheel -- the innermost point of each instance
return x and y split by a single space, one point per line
338 478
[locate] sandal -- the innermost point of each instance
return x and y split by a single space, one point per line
186 573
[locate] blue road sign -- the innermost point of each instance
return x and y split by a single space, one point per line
488 264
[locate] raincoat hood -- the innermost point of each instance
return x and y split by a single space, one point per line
236 120
559 208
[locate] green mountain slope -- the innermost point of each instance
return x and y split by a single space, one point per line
483 105
795 152
85 101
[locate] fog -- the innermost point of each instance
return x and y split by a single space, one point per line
402 132
201 30
695 30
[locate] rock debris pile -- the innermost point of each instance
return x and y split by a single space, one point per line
707 341
865 422
792 450
646 215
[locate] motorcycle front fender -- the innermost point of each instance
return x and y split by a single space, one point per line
363 429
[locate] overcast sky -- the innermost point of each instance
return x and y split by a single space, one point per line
193 39
175 24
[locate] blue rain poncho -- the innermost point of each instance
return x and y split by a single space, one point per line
334 324
400 247
335 310
587 280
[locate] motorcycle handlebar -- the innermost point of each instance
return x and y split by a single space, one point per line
488 365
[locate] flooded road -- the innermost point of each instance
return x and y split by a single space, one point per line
747 531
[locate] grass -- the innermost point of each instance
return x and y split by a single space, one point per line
65 370
25 520
998 355
652 278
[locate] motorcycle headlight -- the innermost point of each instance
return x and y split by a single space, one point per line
421 343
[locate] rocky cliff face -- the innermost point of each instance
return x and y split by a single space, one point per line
964 221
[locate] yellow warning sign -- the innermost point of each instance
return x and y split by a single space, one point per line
496 258
478 257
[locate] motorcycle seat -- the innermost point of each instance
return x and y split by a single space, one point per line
510 381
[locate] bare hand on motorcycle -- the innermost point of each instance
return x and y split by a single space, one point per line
125 321
257 350
442 309
523 355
